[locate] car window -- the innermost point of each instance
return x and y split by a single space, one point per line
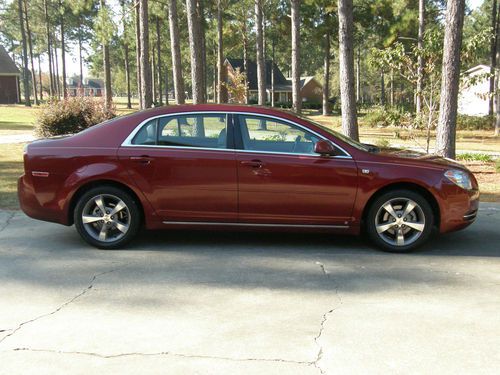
200 130
147 134
268 134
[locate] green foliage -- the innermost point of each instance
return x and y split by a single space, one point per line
469 156
71 115
387 116
465 122
383 143
497 165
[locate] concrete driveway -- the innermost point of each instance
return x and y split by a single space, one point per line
251 303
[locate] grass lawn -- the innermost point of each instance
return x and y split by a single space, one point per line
19 119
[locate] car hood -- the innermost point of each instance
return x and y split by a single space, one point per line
421 157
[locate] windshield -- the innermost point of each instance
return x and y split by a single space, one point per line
342 137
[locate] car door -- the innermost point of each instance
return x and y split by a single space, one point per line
185 166
282 180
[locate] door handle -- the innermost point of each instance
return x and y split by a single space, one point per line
143 159
252 163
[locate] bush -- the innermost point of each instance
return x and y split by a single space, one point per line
383 143
71 115
469 156
497 165
312 105
387 116
465 122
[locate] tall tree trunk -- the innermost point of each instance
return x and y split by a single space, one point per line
138 53
80 57
497 80
326 76
273 43
195 47
30 47
26 85
391 87
450 78
221 97
63 51
126 54
107 69
203 26
245 62
176 52
153 74
296 97
158 61
57 80
420 60
49 52
358 75
166 86
346 64
261 79
382 88
144 53
493 55
40 83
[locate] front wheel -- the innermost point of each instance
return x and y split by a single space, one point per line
399 221
107 217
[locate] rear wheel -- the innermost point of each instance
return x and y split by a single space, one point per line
399 221
107 217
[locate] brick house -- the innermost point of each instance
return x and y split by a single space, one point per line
311 89
9 79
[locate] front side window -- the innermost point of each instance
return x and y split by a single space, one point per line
271 135
190 130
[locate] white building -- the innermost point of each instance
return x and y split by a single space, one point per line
473 96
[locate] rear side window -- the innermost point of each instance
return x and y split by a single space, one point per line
147 134
197 130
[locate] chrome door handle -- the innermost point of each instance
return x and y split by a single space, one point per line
252 163
143 159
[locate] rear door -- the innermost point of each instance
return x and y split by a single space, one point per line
282 180
186 167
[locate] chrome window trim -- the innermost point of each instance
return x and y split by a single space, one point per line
128 141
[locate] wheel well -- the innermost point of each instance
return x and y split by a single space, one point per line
92 184
408 186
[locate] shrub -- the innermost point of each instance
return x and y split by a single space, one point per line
311 105
387 116
469 156
497 165
71 115
465 122
382 143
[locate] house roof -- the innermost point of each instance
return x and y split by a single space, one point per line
91 83
477 68
7 65
279 78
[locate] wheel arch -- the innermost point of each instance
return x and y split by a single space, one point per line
96 183
407 186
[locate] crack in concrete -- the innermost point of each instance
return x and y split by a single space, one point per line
324 318
7 222
165 353
73 299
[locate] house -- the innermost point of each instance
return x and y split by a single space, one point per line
310 89
89 87
473 95
9 79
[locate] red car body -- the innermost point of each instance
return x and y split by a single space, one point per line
187 187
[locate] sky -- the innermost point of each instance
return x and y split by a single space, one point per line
72 65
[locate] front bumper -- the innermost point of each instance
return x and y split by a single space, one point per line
459 208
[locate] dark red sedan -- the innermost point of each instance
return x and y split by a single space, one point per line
227 166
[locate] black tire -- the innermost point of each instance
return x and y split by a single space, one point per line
405 232
128 219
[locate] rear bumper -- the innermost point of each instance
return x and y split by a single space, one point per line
32 207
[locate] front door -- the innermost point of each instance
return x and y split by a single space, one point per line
282 180
185 167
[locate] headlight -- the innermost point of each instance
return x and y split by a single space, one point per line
459 178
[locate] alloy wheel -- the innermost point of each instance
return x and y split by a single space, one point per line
106 218
400 222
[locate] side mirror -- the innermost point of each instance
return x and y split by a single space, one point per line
324 148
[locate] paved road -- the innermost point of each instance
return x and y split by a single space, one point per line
229 303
